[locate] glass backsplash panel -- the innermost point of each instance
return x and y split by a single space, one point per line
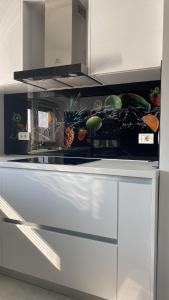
119 121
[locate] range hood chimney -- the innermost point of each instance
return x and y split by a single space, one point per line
65 48
65 32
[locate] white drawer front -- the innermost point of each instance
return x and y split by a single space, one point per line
78 202
85 265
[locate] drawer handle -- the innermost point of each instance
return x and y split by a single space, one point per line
63 231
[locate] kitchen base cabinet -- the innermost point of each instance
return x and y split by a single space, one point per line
137 240
92 233
81 264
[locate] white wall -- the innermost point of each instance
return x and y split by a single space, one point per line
1 124
163 267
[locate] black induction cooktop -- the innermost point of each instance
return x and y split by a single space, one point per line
56 160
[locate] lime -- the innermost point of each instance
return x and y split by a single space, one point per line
113 101
94 123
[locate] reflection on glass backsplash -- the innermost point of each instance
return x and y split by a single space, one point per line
107 123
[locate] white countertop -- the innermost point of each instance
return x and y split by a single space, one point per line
143 169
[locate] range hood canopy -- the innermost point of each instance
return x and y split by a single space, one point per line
54 78
65 48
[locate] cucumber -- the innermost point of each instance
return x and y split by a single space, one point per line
130 99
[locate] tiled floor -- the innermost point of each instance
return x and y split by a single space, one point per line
11 289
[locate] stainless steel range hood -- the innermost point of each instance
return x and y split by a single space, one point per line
53 78
65 45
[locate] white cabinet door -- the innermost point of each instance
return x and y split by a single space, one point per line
137 240
79 202
10 39
124 35
21 37
81 264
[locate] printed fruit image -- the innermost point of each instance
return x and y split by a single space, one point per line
152 122
50 117
94 123
155 96
97 105
130 99
75 118
82 134
113 101
20 126
16 117
69 137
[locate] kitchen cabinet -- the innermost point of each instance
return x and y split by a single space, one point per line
78 202
124 35
85 265
10 36
107 246
137 240
21 47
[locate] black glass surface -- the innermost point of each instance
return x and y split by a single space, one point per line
56 160
98 122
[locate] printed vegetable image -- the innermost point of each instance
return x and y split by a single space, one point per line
130 99
113 101
152 122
